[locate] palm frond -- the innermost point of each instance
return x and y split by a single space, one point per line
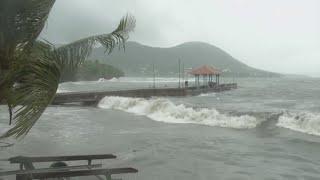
37 75
73 54
36 86
21 22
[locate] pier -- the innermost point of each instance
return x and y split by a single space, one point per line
93 98
208 85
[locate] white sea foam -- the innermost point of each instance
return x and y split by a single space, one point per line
208 95
62 90
101 79
148 80
114 79
166 111
305 122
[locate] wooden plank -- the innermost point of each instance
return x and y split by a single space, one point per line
21 159
67 168
90 172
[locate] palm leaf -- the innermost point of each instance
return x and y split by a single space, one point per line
21 22
37 84
73 54
38 79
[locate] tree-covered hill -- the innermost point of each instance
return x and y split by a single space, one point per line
138 59
93 70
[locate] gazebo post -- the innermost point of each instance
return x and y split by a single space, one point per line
207 80
203 80
216 79
195 80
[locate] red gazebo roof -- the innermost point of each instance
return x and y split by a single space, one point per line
205 70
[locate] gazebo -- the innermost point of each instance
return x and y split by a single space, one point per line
207 72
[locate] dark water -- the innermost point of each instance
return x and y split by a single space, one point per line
266 129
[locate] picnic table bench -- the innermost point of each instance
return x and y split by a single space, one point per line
28 171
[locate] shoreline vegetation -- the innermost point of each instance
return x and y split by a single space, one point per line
94 70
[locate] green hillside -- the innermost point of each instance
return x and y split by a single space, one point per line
93 70
138 59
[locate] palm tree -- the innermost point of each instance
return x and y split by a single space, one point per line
30 70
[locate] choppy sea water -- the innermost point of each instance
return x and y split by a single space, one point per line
266 129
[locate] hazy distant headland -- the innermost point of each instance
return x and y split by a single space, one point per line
138 60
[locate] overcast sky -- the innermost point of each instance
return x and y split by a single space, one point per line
276 35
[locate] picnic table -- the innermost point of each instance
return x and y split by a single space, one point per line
60 169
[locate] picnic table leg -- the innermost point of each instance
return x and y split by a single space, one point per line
108 176
29 166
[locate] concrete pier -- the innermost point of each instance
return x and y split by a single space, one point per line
92 98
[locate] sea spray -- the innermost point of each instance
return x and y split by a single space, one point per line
164 110
305 122
61 90
208 95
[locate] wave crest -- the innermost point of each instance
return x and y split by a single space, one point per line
166 111
305 122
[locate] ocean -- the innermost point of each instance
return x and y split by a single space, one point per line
268 128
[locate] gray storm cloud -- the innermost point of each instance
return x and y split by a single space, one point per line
276 35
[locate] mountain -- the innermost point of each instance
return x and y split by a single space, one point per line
138 60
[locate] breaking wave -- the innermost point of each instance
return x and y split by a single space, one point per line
61 90
114 79
305 122
147 80
208 95
166 111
